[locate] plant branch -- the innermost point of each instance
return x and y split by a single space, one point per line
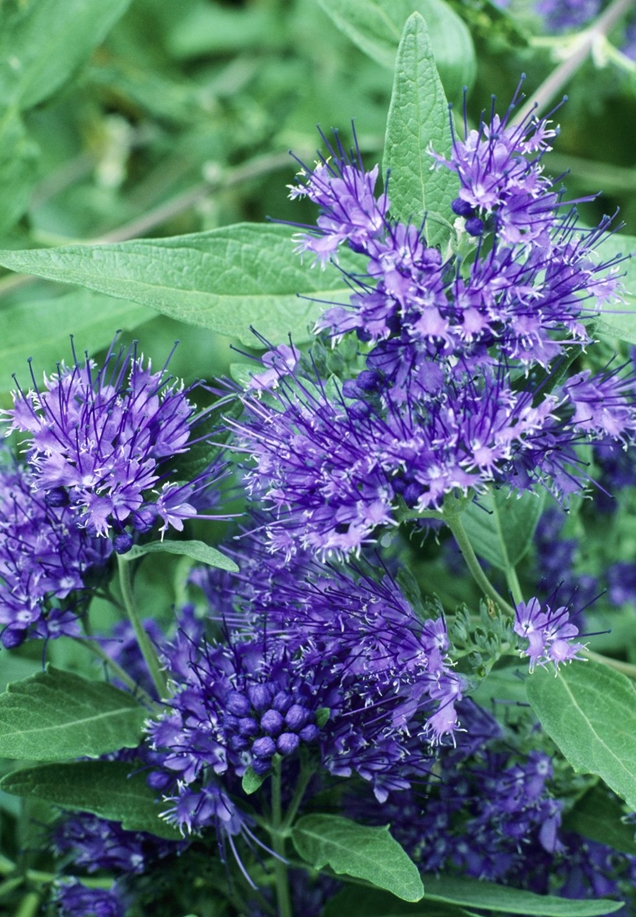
94 647
278 845
146 645
454 522
582 48
253 168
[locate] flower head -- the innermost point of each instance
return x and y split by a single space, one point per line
103 441
313 657
75 899
550 633
47 564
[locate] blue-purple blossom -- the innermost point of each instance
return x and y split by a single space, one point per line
556 566
332 466
550 633
77 900
538 277
103 442
97 843
314 658
561 15
47 564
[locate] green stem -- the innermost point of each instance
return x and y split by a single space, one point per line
513 584
454 522
29 906
130 683
305 776
587 42
278 845
146 645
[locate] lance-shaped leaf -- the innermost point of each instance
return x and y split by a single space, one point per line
199 551
56 714
357 850
226 280
501 525
589 710
450 897
491 897
418 117
110 789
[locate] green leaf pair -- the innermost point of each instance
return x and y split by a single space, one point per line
58 715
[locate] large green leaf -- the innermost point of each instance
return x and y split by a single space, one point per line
619 319
18 166
40 329
227 279
418 117
199 551
110 789
356 850
599 817
490 897
501 525
56 714
590 712
376 26
42 42
449 897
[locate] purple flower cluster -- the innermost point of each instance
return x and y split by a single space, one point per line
457 391
550 633
96 843
489 813
102 442
333 661
74 899
560 15
46 561
538 276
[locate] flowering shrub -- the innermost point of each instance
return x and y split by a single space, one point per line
346 624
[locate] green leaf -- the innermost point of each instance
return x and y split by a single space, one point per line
598 816
40 329
225 279
110 789
370 902
619 319
322 716
448 896
418 116
589 710
197 550
490 897
501 525
18 167
56 714
42 42
375 26
356 850
252 781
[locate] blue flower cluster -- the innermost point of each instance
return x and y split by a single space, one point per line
326 660
454 395
99 458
